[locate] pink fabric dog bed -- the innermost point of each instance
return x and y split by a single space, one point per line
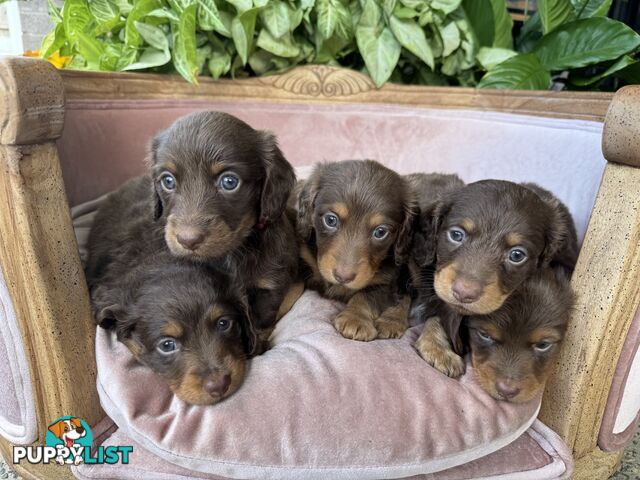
316 406
539 454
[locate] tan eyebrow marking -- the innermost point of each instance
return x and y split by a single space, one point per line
341 209
377 219
514 239
468 225
172 329
218 167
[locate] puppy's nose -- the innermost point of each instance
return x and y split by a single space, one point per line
507 390
466 291
343 275
216 387
80 430
190 239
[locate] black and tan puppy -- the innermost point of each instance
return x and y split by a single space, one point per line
354 218
513 348
216 194
476 244
186 322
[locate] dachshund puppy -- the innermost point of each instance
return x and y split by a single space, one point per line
478 243
186 322
513 348
354 218
216 194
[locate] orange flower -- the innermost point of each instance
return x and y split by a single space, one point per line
56 59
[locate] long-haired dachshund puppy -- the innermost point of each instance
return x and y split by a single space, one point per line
354 218
513 348
475 246
187 322
216 194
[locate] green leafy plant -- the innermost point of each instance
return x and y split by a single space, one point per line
422 41
569 39
435 42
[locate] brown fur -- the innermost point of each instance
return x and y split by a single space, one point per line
474 276
347 262
163 298
243 231
536 314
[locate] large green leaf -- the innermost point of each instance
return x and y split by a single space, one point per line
184 45
446 6
450 38
154 36
490 57
412 37
275 16
282 47
586 42
164 13
380 51
621 64
522 72
76 17
503 24
209 17
141 9
54 12
591 8
124 6
481 17
371 15
242 29
241 5
151 57
52 41
104 10
554 13
219 63
90 48
333 16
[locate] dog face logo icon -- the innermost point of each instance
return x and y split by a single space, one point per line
69 435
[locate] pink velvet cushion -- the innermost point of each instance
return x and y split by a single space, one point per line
539 454
315 406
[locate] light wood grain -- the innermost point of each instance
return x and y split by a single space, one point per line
40 261
324 84
608 294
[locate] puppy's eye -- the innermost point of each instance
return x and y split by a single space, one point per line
167 345
229 182
223 324
168 182
381 232
456 235
517 255
484 336
330 221
542 347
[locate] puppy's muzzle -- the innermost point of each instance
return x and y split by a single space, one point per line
190 238
465 290
344 274
217 386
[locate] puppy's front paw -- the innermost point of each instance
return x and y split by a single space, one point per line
390 328
434 348
355 327
393 321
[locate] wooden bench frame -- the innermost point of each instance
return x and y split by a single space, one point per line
45 279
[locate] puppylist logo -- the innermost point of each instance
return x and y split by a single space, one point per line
68 442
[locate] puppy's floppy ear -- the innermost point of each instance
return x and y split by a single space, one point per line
425 236
561 242
279 179
307 193
405 235
157 207
57 428
110 311
250 339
